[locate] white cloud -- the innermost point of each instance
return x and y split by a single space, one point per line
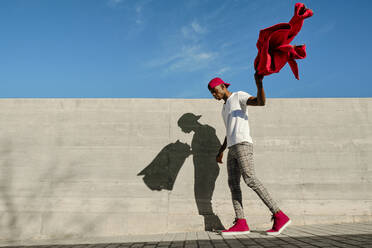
134 9
193 31
187 59
139 11
197 28
223 70
187 52
114 3
202 56
139 16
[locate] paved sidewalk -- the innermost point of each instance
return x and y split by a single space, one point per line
342 235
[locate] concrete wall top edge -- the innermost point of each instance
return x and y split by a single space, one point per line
175 99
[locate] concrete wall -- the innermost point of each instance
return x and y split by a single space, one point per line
69 167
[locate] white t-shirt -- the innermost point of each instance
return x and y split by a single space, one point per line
235 116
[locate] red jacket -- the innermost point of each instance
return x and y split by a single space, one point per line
274 50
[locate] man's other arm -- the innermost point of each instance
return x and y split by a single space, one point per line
220 152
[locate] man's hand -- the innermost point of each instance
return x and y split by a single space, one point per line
219 157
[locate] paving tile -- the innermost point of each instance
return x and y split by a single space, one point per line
177 244
206 246
341 235
138 245
168 237
191 236
191 246
214 236
179 237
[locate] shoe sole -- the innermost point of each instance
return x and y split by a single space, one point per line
234 233
280 230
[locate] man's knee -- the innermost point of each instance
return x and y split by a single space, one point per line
251 181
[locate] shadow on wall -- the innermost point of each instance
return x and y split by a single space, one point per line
162 172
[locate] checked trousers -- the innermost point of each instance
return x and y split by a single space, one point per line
240 164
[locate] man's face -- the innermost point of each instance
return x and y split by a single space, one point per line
186 129
218 92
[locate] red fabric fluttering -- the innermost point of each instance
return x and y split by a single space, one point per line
274 50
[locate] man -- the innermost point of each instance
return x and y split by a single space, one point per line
240 155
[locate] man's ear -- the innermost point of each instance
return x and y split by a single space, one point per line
224 87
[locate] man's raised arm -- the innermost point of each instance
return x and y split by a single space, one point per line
261 98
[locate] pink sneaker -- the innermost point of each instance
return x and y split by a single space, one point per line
240 227
281 221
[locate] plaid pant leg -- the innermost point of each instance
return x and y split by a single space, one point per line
244 157
234 175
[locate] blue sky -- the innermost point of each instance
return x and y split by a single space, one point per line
172 48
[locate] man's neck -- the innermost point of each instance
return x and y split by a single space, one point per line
226 96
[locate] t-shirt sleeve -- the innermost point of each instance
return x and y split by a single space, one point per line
243 98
